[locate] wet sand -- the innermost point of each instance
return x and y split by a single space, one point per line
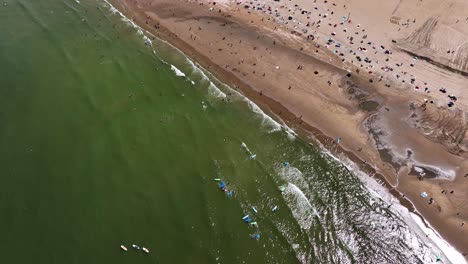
391 132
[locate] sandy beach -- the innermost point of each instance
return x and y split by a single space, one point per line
383 83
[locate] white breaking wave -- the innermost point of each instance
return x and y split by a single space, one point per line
212 88
268 120
196 69
300 206
245 147
129 22
429 247
177 71
295 176
450 252
295 196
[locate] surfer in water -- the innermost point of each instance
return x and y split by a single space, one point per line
222 186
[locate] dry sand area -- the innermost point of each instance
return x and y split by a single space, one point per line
370 72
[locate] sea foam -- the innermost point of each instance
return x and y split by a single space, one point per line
129 22
435 244
300 206
212 88
177 71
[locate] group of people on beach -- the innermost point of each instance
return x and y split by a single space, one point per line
358 48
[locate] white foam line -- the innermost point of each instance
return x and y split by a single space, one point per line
300 193
177 71
200 69
277 126
149 42
213 89
251 104
301 209
256 109
453 255
449 251
129 21
194 67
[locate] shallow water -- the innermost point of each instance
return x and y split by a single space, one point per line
105 142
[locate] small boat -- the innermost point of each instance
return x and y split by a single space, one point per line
145 250
254 209
245 217
123 247
136 247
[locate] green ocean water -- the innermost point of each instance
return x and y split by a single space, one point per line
103 144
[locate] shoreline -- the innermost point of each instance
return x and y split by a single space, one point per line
282 112
413 214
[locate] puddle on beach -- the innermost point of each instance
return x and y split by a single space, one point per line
387 154
369 106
